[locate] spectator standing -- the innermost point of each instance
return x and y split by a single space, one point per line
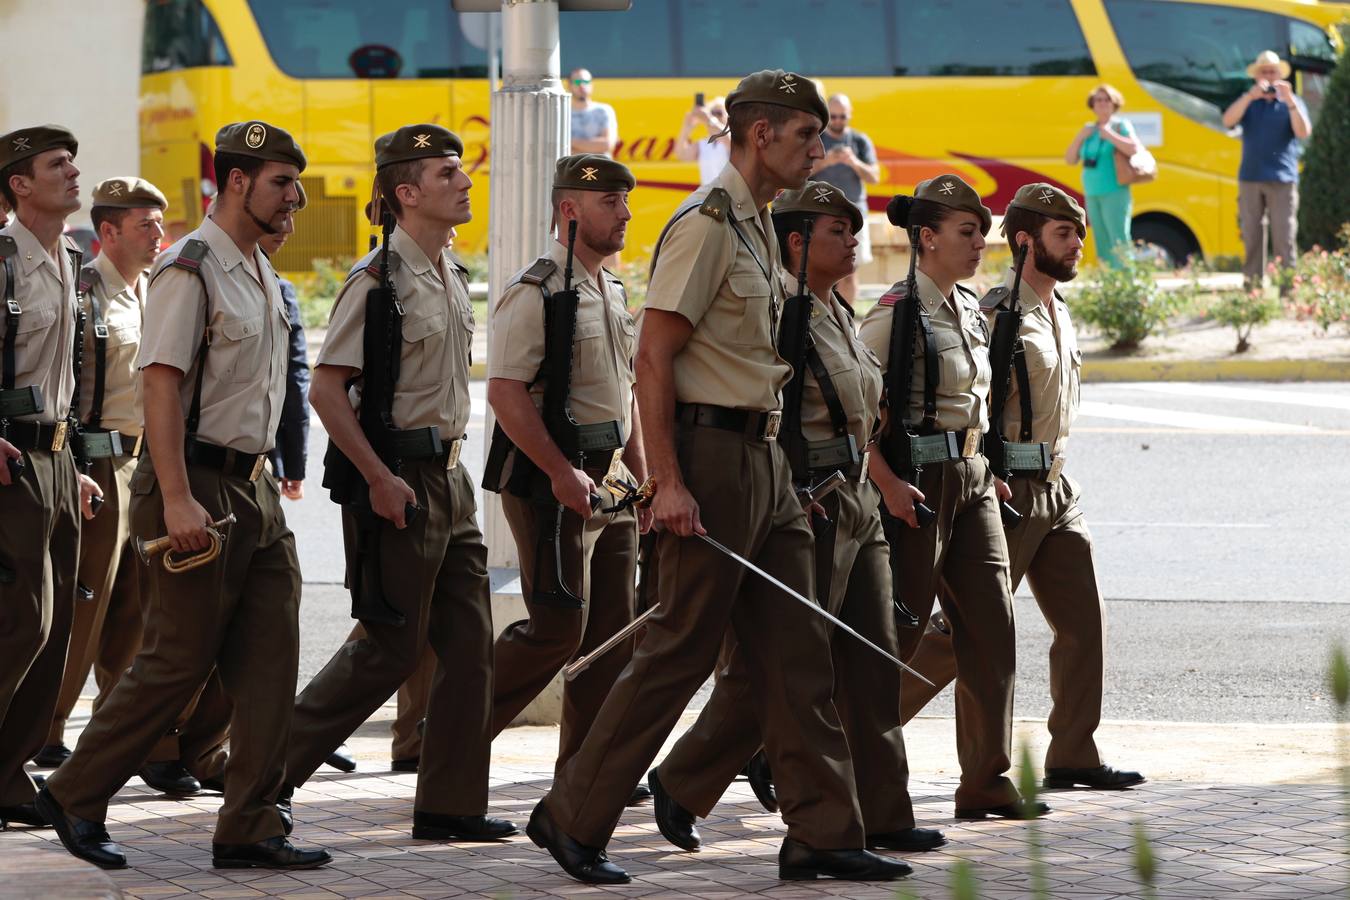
1274 121
712 154
850 164
595 128
1109 203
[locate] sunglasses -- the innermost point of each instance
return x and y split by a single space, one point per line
581 81
834 116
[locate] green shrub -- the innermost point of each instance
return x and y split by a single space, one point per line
1125 302
317 291
1243 312
1324 188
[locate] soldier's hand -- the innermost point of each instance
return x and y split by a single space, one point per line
900 498
645 519
186 521
89 489
388 497
676 510
7 452
292 490
574 491
1001 490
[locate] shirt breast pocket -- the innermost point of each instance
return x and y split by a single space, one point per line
235 351
953 363
36 317
752 292
1039 354
119 335
589 352
423 347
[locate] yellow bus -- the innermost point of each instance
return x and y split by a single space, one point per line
993 89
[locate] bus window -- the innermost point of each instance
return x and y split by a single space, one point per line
974 37
1313 57
632 44
1193 57
360 39
721 39
180 34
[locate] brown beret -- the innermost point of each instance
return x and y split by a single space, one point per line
27 142
128 192
592 172
416 142
781 88
947 190
819 198
1050 202
261 141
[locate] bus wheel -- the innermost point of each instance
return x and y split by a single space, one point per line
1165 239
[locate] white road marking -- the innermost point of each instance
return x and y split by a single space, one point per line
1097 524
1188 420
1233 392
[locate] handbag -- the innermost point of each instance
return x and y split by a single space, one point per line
1137 168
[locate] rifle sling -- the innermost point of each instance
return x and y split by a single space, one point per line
92 280
828 392
12 315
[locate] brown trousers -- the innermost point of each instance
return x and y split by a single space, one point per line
237 615
435 573
853 575
1053 550
412 702
744 491
963 560
599 563
39 546
1262 205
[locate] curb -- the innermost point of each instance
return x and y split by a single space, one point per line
1104 370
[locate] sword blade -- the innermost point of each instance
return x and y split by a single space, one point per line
811 605
582 664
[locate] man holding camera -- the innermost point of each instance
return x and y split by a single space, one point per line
1273 122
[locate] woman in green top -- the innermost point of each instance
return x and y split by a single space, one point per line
1108 201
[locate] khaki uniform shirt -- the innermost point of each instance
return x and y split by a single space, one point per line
433 379
704 272
44 348
963 356
244 385
1054 368
854 371
602 350
122 306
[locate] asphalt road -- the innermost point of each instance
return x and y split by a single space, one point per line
1219 516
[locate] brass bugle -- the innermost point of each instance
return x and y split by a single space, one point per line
146 549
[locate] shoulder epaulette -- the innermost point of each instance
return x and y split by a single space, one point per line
191 256
899 291
716 205
373 268
995 297
89 279
540 271
8 247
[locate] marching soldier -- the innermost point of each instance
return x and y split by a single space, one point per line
840 398
213 369
41 493
128 214
545 477
708 386
929 328
1051 546
430 571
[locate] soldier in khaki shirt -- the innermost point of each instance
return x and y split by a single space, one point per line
128 214
838 415
935 424
434 568
40 508
708 385
597 549
1051 546
213 368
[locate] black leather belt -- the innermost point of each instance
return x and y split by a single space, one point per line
942 446
224 460
37 435
854 472
425 443
99 444
760 426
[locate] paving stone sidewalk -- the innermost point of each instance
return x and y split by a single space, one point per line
1277 841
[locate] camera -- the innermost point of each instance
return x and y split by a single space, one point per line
1270 89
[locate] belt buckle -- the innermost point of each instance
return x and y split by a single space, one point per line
258 462
972 444
1056 468
862 466
772 423
59 438
452 455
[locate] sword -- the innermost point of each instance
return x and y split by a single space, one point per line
811 605
584 663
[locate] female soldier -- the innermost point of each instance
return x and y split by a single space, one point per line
931 441
840 396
